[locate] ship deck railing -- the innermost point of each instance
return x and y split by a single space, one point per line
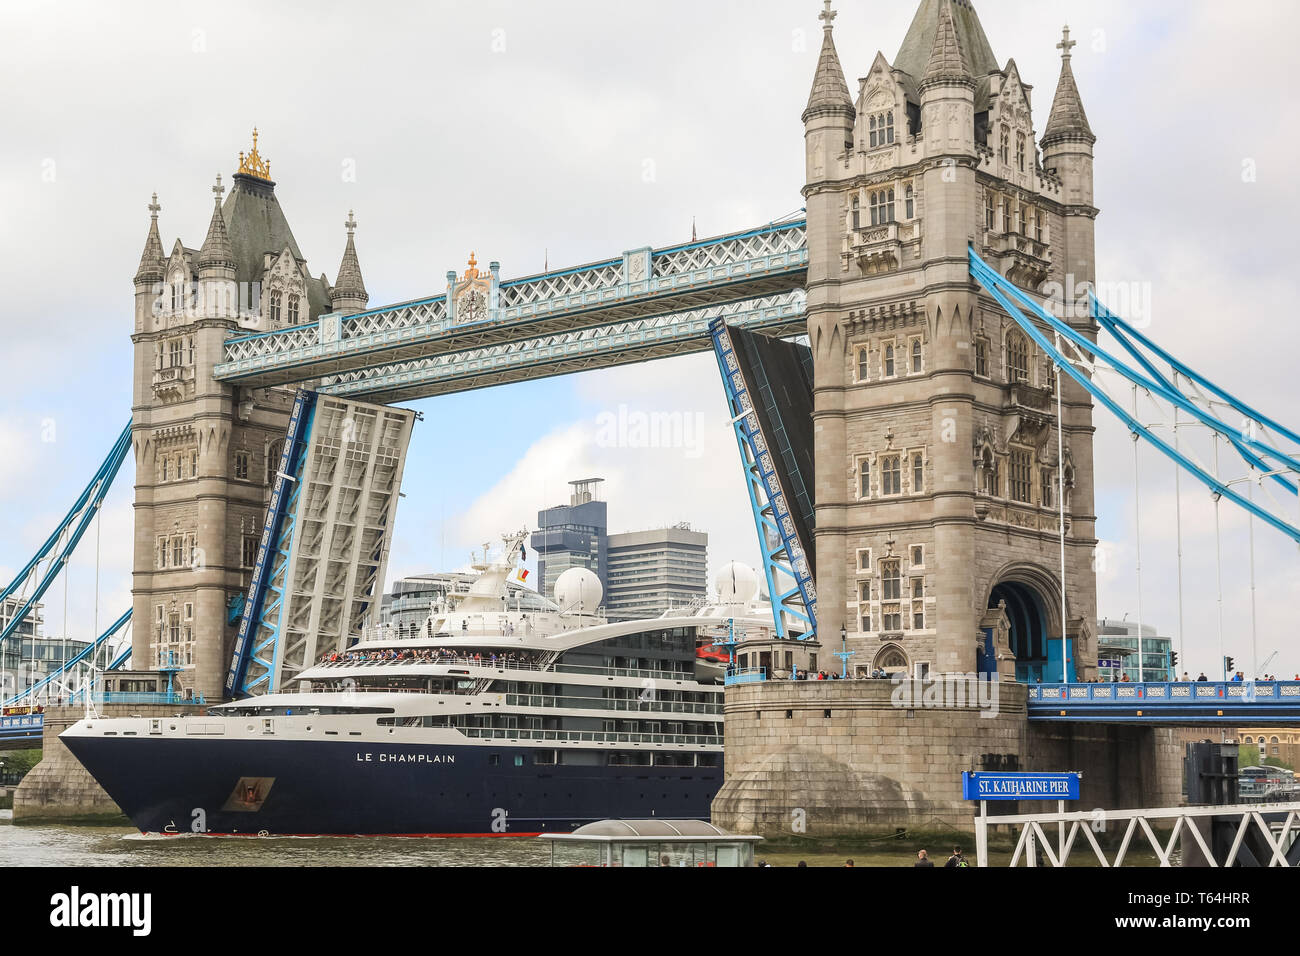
599 703
514 666
590 736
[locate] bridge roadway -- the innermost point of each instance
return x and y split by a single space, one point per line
648 303
1240 703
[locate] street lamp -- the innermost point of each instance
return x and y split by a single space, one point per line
844 653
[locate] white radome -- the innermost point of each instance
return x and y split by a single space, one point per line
736 583
578 591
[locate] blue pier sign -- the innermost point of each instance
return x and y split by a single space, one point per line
1020 786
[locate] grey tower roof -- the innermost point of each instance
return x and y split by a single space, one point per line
830 94
256 226
151 260
1068 121
914 55
947 57
216 251
349 283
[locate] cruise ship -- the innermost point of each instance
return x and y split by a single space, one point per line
499 717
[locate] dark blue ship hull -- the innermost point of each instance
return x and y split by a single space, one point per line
281 787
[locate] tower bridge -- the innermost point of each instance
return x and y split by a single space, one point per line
952 516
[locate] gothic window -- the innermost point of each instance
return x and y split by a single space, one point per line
882 206
1004 150
918 555
190 345
1038 226
1025 213
889 361
1048 486
178 552
162 552
194 464
864 363
864 561
864 593
176 352
273 455
1020 481
192 552
241 465
891 475
293 310
982 358
918 604
891 581
1031 224
916 356
918 473
909 202
857 213
1020 151
166 469
864 478
1017 357
248 551
275 307
990 212
880 129
1006 214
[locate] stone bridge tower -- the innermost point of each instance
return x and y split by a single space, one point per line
936 454
937 464
206 452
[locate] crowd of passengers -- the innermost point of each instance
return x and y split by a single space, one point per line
428 656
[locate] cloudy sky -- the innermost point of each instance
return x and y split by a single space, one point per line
575 130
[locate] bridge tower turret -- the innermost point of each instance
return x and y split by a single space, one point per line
828 136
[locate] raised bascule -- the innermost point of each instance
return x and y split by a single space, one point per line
923 492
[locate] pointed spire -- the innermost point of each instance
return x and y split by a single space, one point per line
1068 121
948 61
830 94
151 260
216 252
349 287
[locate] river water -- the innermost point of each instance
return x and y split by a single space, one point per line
120 846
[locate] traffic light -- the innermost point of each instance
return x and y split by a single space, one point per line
1227 664
1173 659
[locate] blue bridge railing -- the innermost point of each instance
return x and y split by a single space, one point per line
747 675
22 726
1227 701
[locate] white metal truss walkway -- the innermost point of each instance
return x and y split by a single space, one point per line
606 313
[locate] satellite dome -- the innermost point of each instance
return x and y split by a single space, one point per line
578 591
736 583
